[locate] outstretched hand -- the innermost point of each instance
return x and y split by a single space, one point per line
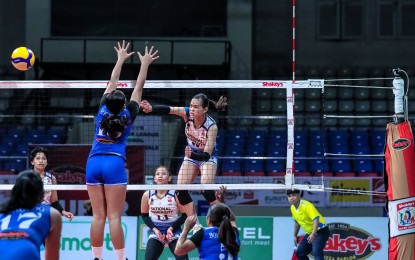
122 52
220 194
149 56
190 222
221 104
146 106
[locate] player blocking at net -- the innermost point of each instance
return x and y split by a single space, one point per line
106 175
200 153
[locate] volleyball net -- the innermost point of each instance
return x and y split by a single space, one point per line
274 135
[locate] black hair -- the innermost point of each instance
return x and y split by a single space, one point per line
114 124
38 149
289 192
26 193
220 106
167 169
162 166
115 101
219 215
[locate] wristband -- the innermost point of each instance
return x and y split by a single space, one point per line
205 156
57 206
161 110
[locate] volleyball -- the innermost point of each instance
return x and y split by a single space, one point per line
23 58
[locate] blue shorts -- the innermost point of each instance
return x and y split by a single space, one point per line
19 249
106 170
213 159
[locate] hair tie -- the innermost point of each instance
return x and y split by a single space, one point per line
224 217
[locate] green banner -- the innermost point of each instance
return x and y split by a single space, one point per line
255 234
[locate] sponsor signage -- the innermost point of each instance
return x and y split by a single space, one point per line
265 237
401 144
255 234
76 243
319 198
357 184
350 238
349 242
146 132
67 163
402 216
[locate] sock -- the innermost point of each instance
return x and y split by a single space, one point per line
97 252
120 253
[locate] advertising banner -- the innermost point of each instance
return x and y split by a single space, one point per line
76 244
341 198
402 216
350 238
146 132
265 237
67 163
257 197
255 233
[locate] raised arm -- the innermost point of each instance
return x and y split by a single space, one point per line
123 55
146 60
184 245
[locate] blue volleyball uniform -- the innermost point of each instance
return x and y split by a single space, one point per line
163 212
23 231
209 246
106 161
197 137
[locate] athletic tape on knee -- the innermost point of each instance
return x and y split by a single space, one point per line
209 195
184 197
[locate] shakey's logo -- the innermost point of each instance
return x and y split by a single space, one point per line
406 215
347 242
401 144
272 84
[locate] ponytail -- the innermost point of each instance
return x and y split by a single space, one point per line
221 104
227 236
112 125
220 216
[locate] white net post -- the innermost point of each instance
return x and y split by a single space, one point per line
289 180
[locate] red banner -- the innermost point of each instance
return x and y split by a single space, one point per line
67 163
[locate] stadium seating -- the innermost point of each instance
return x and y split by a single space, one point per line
272 167
231 167
341 166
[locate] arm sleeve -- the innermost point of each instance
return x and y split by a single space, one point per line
103 99
198 237
177 224
205 156
56 205
148 221
161 110
133 108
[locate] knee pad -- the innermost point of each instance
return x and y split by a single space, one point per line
184 197
209 195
